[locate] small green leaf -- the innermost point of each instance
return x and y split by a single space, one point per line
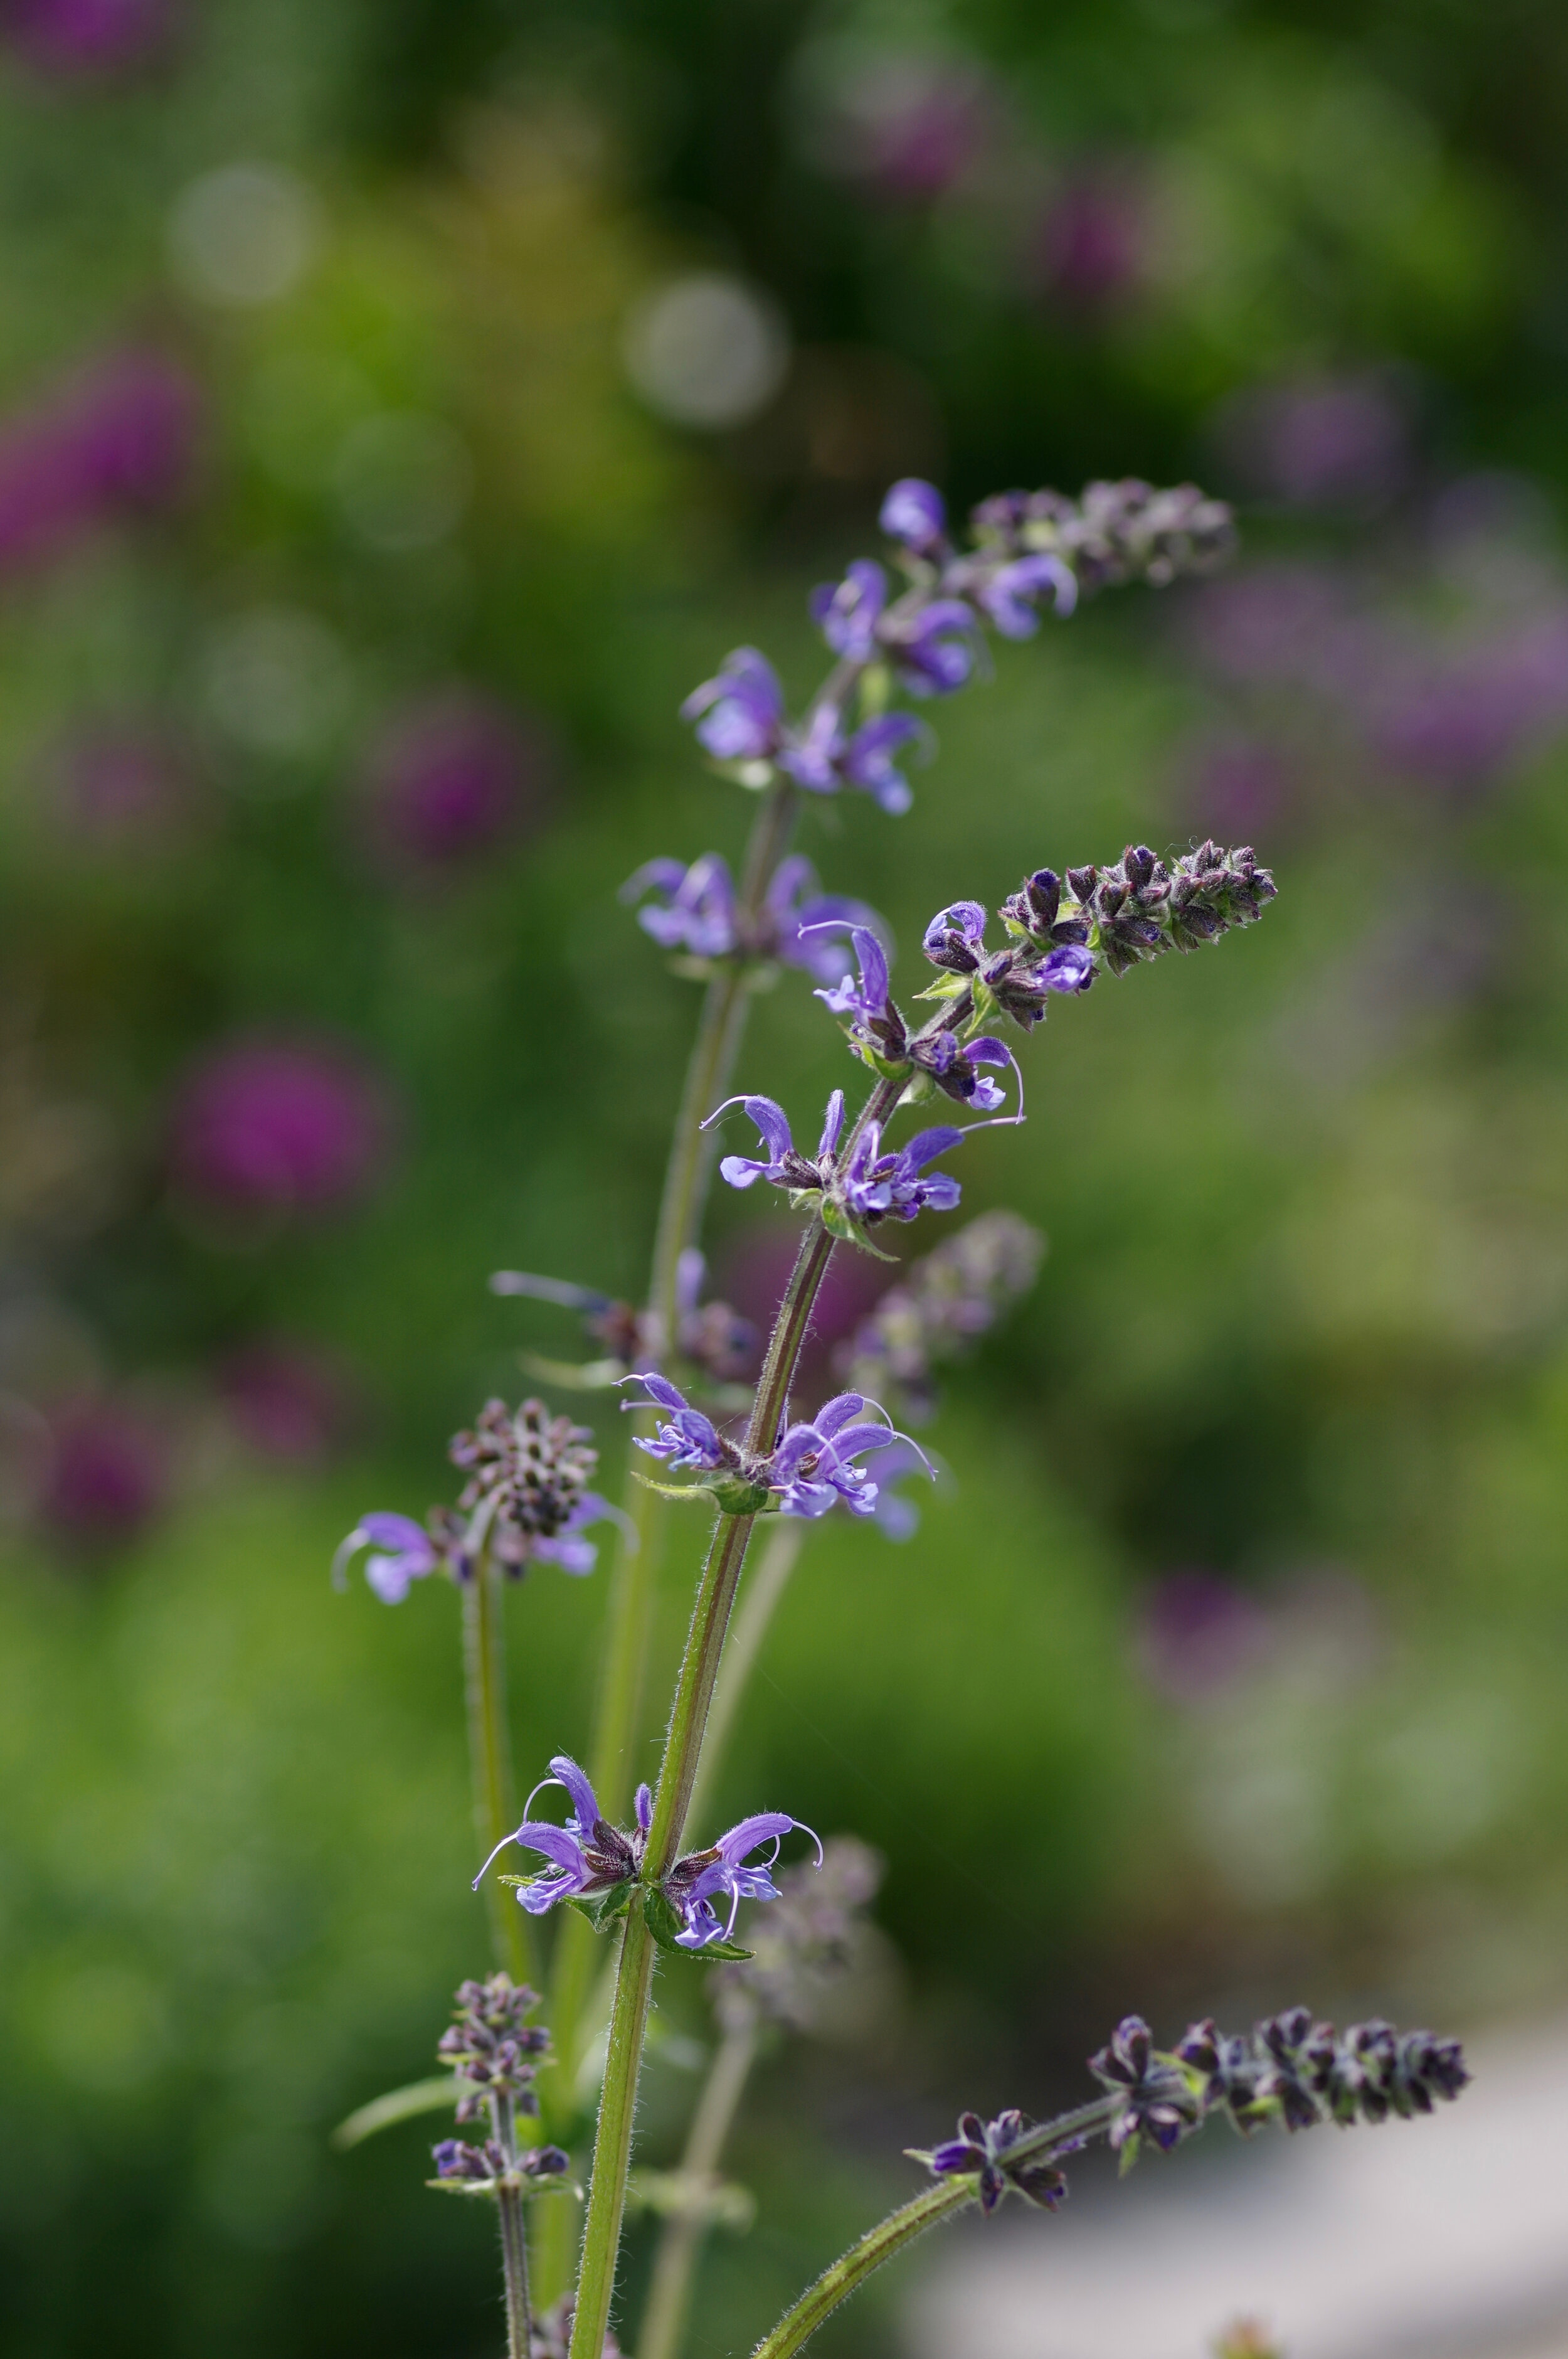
738 1497
947 986
673 1490
605 1909
1128 2155
431 2096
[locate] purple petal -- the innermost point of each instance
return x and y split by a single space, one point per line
874 967
392 1577
927 1144
1071 968
654 876
791 878
957 2156
558 1844
742 1170
569 1552
965 917
914 512
644 1806
833 1123
836 1413
774 1123
987 1051
584 1801
384 1529
767 1826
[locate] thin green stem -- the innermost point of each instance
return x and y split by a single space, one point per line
889 2238
681 2239
490 1765
753 1617
612 2147
683 1747
513 2234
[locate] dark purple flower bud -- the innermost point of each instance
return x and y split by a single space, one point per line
545 2162
955 936
914 513
984 2147
276 1126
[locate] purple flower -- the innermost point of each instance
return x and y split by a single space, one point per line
263 1126
933 648
865 1000
914 513
720 1874
956 1070
848 611
1008 595
877 1187
811 1469
403 1553
742 708
451 776
782 1164
694 909
687 1438
823 759
955 937
587 1856
984 2147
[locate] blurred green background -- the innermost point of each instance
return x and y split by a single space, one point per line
401 408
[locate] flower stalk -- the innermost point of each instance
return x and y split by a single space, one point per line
489 1762
514 2232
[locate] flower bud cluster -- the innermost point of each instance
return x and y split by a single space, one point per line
535 1468
492 2047
1304 2071
1138 906
805 1943
1112 533
487 2163
1289 2069
940 1305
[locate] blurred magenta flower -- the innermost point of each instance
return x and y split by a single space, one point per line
452 775
1089 250
272 1125
86 37
1197 1632
108 1473
1323 442
908 127
120 784
288 1400
118 440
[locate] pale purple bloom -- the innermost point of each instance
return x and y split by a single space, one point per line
1008 595
721 1874
958 1068
686 1438
848 611
822 758
875 1186
696 909
915 513
587 1855
866 999
933 648
956 937
897 1518
264 1125
811 1469
742 709
402 1552
781 1164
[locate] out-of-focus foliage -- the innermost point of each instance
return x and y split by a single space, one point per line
369 498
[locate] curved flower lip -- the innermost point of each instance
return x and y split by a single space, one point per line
847 612
687 1438
1007 596
697 910
548 1289
402 1553
772 1123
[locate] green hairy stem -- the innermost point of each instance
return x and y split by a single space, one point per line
882 2242
753 1618
513 2236
677 1774
490 1762
669 2294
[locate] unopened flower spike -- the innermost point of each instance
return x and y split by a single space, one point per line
812 1467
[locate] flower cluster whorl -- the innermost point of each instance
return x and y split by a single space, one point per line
492 2047
535 1466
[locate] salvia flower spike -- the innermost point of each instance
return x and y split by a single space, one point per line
813 1466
